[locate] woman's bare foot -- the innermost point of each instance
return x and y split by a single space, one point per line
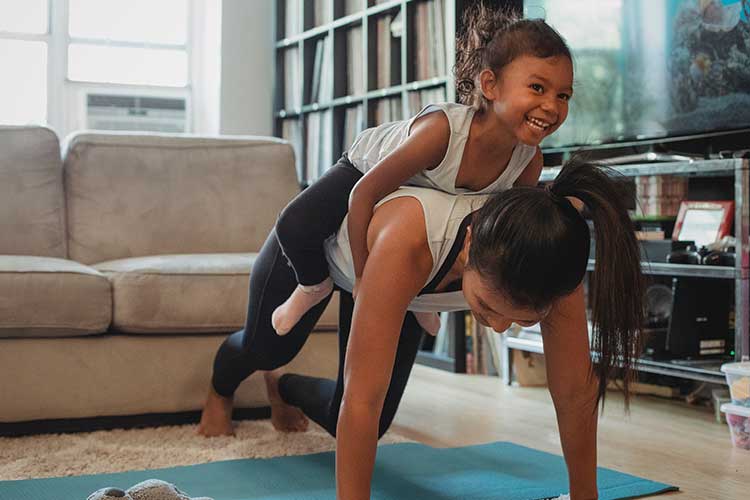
216 419
284 417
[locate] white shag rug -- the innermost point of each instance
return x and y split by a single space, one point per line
53 455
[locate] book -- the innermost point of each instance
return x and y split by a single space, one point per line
312 149
321 12
354 68
420 98
325 91
353 125
292 80
291 130
293 17
353 6
383 68
317 71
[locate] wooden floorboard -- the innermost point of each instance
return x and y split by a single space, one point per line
662 440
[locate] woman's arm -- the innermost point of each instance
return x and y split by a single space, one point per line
397 268
424 149
573 387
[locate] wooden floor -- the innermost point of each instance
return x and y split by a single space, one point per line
661 440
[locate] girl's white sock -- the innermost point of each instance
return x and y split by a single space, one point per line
302 299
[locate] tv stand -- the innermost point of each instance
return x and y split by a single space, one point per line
650 157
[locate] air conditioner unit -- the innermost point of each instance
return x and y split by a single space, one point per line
136 113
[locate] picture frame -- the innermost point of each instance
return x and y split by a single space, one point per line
703 222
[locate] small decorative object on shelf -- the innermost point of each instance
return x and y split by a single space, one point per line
704 222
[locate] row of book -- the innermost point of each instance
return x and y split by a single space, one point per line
429 36
318 144
421 98
294 14
388 32
384 71
355 81
291 131
292 79
388 109
321 88
315 154
660 195
321 13
482 345
354 123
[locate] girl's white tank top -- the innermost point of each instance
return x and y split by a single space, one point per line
374 144
444 215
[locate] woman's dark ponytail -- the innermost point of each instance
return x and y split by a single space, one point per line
617 286
533 246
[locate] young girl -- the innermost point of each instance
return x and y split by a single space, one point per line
515 77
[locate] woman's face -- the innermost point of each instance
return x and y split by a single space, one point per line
491 308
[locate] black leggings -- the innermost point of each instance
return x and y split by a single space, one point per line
314 215
258 347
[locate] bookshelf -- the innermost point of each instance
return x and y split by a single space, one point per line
346 65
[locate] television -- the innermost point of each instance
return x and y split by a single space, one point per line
651 72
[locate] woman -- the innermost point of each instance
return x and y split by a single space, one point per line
519 258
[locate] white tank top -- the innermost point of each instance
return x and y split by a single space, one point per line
374 144
446 218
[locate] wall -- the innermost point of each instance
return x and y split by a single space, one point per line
247 67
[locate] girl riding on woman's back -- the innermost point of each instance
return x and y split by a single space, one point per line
514 78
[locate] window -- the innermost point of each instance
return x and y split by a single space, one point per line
23 57
54 52
139 42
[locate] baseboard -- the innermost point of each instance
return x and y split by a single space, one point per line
70 425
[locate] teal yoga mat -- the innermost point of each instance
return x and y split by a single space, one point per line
407 471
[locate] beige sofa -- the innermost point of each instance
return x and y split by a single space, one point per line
124 263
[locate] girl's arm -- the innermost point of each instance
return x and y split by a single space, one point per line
424 149
398 267
530 174
573 387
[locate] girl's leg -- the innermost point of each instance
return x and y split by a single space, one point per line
256 347
302 228
320 399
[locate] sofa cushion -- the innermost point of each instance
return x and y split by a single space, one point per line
134 195
32 216
49 297
193 293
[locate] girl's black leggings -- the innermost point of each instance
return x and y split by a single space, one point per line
258 347
314 215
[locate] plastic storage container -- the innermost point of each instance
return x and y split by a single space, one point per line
738 380
738 419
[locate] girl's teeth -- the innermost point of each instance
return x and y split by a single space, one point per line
537 123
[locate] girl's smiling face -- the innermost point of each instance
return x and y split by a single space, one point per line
530 96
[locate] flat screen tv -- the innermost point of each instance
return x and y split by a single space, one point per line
651 71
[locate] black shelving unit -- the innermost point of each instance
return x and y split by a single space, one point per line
345 65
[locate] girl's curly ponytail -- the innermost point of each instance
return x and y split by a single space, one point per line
491 38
